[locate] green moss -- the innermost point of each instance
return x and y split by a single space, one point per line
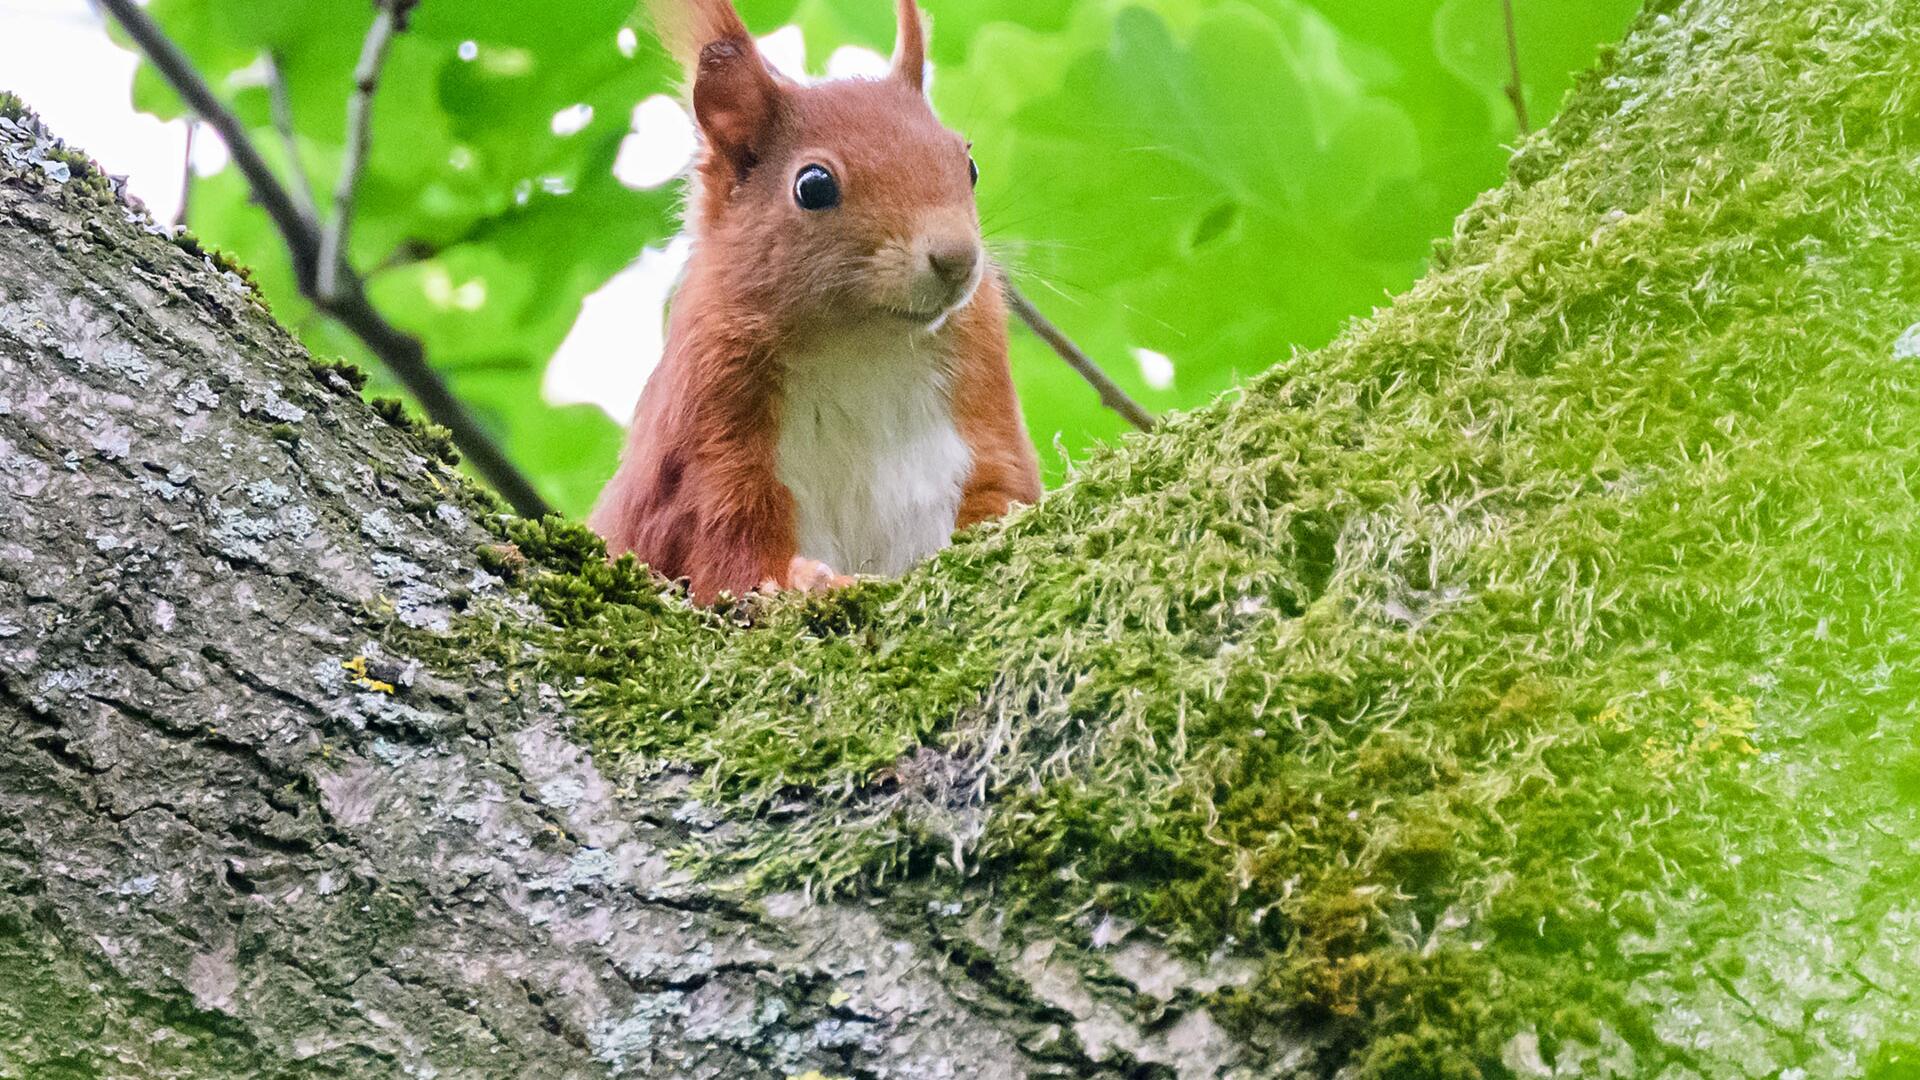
434 439
1896 1061
505 561
1523 666
326 371
186 240
86 179
67 1016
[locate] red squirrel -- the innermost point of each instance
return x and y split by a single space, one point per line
835 397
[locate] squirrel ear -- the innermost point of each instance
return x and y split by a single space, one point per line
910 51
735 95
735 99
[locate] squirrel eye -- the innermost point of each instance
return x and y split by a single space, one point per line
973 171
816 189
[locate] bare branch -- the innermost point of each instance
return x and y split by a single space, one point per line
388 16
283 123
186 175
1516 91
1110 393
347 302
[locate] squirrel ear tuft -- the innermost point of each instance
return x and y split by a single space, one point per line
910 50
686 27
735 95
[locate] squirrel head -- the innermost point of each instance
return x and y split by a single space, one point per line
839 201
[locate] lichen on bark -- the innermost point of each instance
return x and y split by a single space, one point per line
246 832
1522 685
1517 683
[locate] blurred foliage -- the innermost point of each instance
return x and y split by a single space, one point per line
1218 182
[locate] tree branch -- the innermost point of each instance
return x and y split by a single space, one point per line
180 74
186 175
1110 393
389 16
1516 93
283 123
407 359
402 353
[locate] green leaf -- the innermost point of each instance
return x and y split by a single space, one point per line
1219 182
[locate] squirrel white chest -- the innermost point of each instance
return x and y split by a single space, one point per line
869 449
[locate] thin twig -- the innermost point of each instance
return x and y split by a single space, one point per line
388 16
402 353
282 106
1110 393
186 175
1516 92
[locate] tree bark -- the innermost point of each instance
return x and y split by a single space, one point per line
227 850
243 832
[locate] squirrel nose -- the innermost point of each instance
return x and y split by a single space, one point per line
953 261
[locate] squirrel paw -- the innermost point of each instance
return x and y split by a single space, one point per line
813 576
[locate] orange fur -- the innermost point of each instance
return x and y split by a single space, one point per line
910 52
696 494
1005 472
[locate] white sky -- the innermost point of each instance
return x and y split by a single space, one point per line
55 54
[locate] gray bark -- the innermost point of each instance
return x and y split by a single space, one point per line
222 854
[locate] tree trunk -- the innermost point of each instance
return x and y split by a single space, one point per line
226 850
267 811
